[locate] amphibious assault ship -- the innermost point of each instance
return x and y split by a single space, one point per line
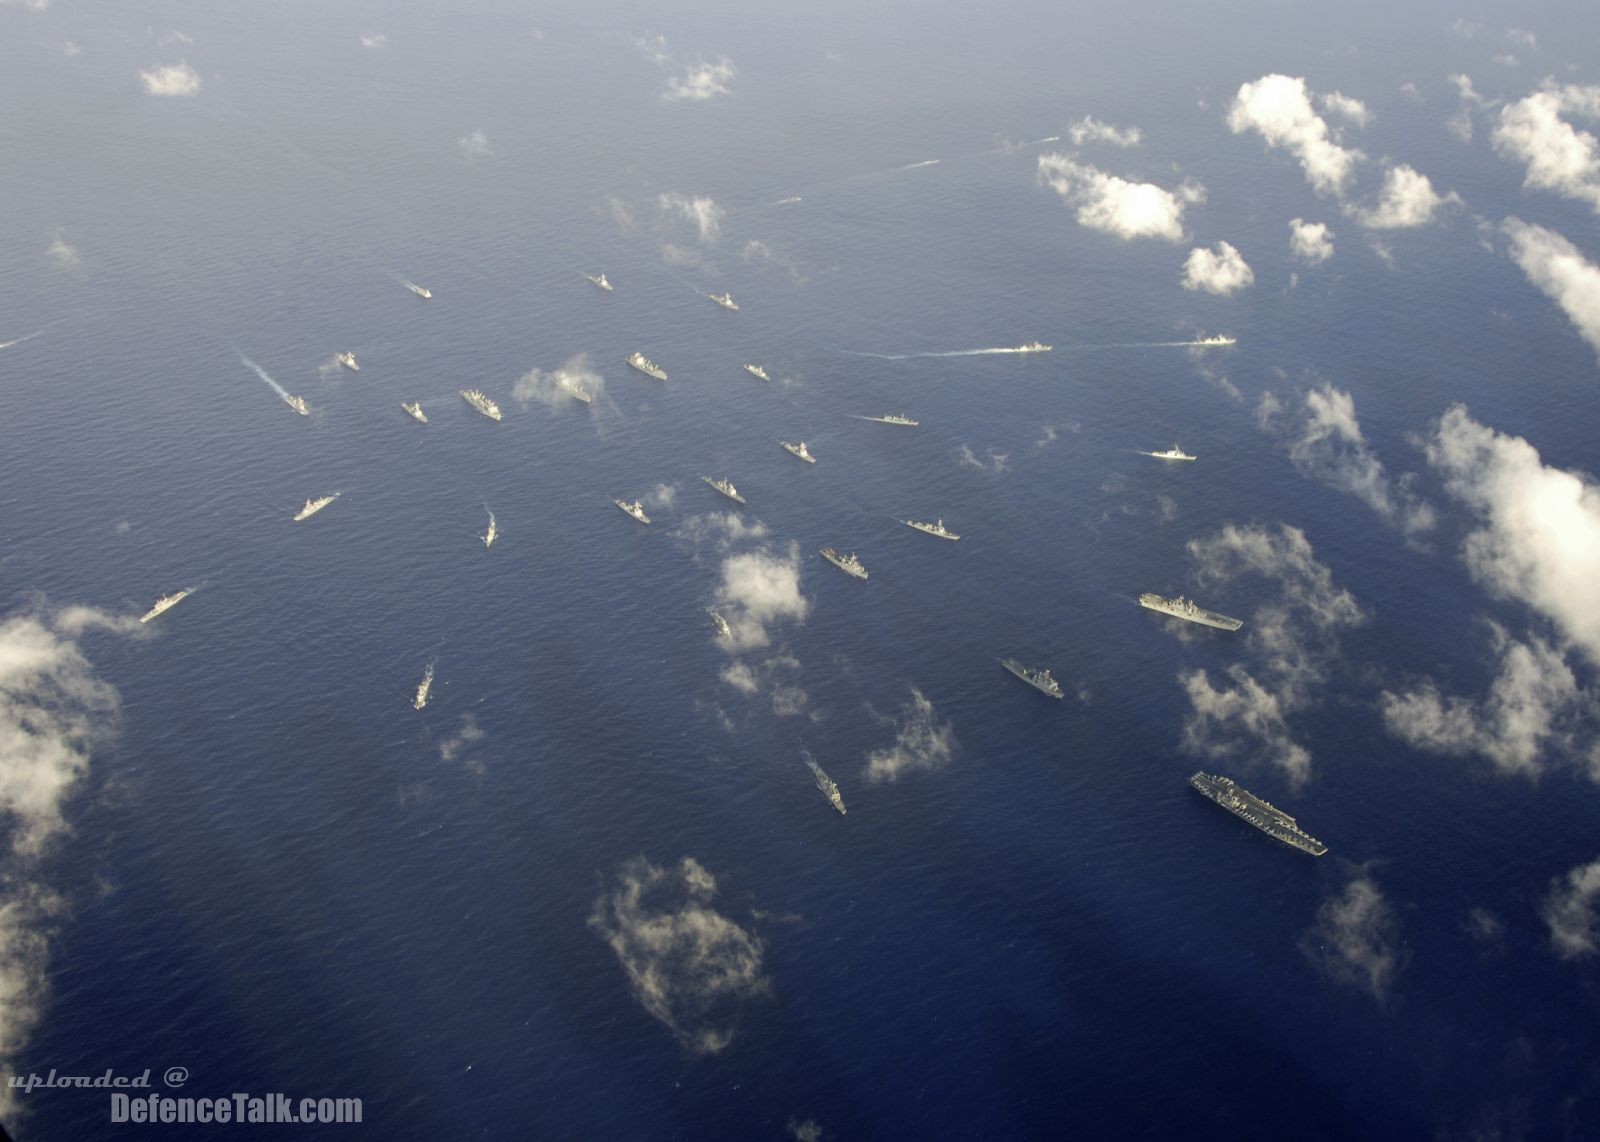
1039 679
646 366
1262 814
849 564
1181 608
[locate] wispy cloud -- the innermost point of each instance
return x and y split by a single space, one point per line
1091 130
1561 272
921 743
174 79
1405 200
777 676
687 964
1572 910
61 251
1278 107
376 42
1356 938
556 387
1346 107
1116 206
700 81
1220 270
699 210
458 744
475 145
1310 242
997 461
1558 157
760 589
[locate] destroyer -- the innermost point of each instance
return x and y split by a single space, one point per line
423 687
348 360
829 787
298 404
1262 814
481 402
421 292
800 451
721 623
1215 339
849 564
1173 453
573 389
757 372
314 506
893 418
724 300
1033 347
414 409
635 509
1181 608
937 527
491 535
726 488
600 281
646 366
165 603
1039 679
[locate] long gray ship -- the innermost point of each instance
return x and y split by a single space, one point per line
1264 815
1039 679
1188 610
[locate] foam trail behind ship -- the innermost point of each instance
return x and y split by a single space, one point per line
1019 350
950 353
262 373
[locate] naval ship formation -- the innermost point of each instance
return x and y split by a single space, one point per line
849 564
165 603
726 488
314 506
481 402
1181 608
646 366
1039 679
1262 814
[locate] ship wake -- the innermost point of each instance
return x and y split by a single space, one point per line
282 392
1015 349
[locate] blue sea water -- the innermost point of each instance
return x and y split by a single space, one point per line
276 880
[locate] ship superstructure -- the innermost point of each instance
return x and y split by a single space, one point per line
165 603
1039 679
646 366
726 488
849 564
314 506
600 280
414 410
799 450
725 300
1187 609
1264 815
481 402
758 372
635 509
348 360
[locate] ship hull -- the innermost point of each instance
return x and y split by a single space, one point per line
1253 811
1202 618
1015 668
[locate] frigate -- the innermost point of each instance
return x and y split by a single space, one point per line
348 360
165 603
1181 608
1173 453
646 366
758 372
800 450
635 509
414 410
314 506
1039 679
849 564
481 402
726 488
829 787
935 528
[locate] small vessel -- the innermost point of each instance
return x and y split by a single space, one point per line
419 290
415 410
491 535
573 389
314 506
1039 679
646 366
937 527
1173 453
423 687
829 787
600 280
757 372
1033 347
1264 815
725 300
481 402
726 488
799 450
348 360
1215 339
635 509
893 418
165 603
849 564
298 404
723 628
1181 608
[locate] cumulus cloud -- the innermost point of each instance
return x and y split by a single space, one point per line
721 529
174 79
1534 708
921 743
1325 442
1311 242
375 42
1116 206
475 145
759 589
1220 270
1292 639
778 676
1460 124
1561 272
701 211
1558 157
1356 938
1572 910
1091 130
555 387
61 252
1539 534
469 735
1406 199
1278 107
1346 107
701 81
687 964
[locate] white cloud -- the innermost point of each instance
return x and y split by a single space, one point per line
1291 640
1561 271
759 589
1326 443
1346 107
1539 539
921 743
1311 242
376 42
777 675
1356 938
701 81
1523 39
654 49
62 252
1091 130
722 529
998 461
1406 199
1113 205
1220 270
555 387
1460 124
470 734
1558 156
1534 707
175 37
700 210
31 5
1572 910
1279 108
174 79
687 964
475 145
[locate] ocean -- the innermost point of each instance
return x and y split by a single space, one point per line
283 878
